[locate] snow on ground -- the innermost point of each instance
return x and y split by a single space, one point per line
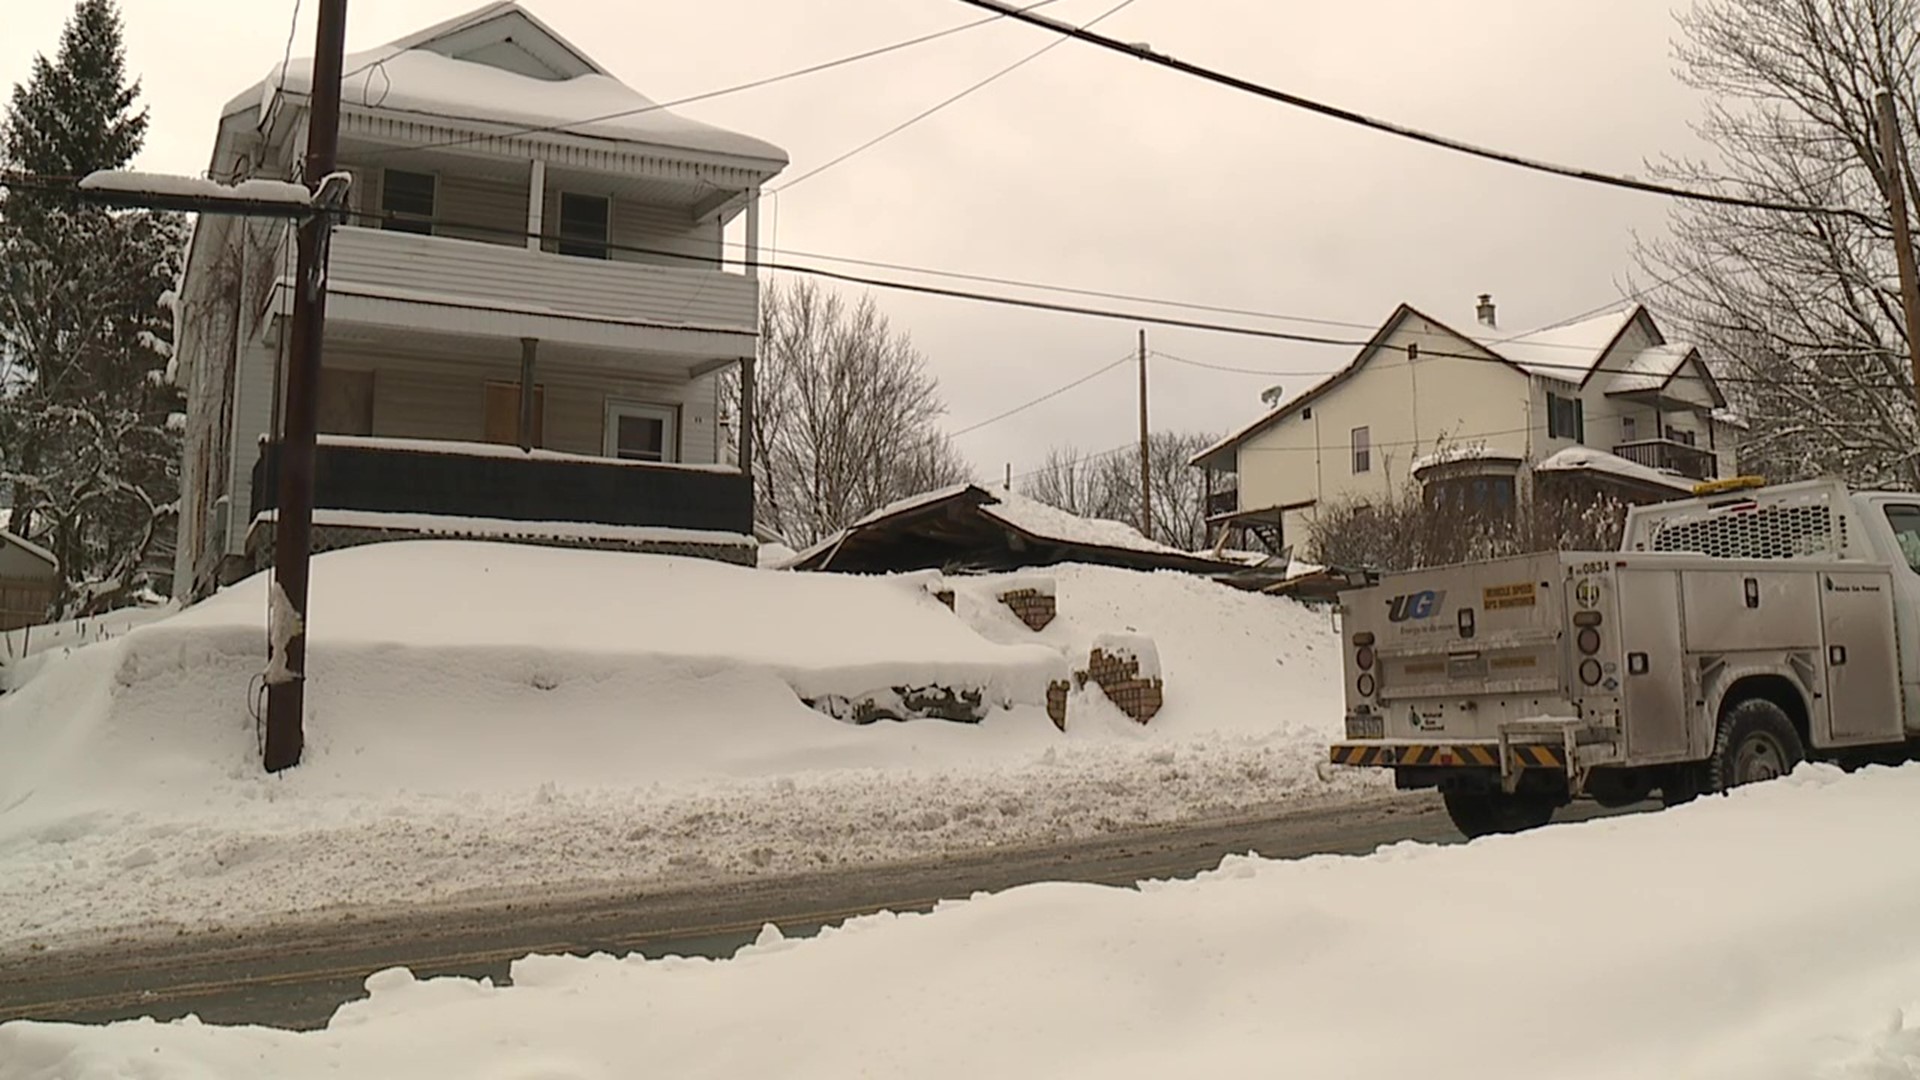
497 717
1768 934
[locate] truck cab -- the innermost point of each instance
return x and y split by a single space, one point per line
1734 635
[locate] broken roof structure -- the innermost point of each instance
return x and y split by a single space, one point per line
966 527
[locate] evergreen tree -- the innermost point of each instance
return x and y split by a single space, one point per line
86 441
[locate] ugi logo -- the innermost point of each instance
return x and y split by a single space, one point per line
1420 605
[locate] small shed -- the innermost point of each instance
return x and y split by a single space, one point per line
29 578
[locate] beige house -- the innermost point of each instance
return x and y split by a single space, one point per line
528 305
1483 412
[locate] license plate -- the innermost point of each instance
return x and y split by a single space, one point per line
1366 727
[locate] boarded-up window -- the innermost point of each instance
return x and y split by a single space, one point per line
503 413
346 402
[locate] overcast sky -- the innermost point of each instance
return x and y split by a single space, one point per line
1089 169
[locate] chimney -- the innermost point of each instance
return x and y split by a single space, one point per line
1484 311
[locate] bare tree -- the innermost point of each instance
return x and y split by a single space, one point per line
1803 309
844 414
1408 531
1108 486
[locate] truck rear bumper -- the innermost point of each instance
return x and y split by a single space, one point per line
1479 753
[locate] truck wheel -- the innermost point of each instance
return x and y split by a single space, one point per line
1756 741
1484 813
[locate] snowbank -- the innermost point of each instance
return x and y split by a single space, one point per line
487 717
1650 946
1239 666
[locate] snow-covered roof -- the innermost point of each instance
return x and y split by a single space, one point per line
1452 452
26 545
1036 518
1650 369
500 65
1568 352
1588 459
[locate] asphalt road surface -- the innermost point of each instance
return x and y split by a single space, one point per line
294 976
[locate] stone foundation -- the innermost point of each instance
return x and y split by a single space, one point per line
1057 703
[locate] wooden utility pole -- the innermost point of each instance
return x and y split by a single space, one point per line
293 527
1895 168
1146 465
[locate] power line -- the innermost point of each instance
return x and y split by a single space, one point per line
540 129
1129 446
286 54
1438 354
981 85
1041 305
1141 52
1042 399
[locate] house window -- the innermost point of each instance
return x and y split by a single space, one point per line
638 432
406 201
583 225
1566 418
1629 429
503 413
1362 450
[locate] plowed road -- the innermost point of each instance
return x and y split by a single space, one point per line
295 975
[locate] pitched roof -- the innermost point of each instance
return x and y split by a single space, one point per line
1319 389
1650 369
1568 351
500 65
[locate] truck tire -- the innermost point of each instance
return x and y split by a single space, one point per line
1485 813
1756 741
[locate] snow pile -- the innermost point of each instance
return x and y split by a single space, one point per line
1675 952
1241 668
499 717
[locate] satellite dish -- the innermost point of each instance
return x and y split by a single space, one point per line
1271 395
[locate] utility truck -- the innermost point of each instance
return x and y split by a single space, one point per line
1734 635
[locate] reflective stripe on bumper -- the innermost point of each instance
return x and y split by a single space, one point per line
1466 755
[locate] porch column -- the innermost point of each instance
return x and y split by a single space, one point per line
752 259
528 346
744 436
536 202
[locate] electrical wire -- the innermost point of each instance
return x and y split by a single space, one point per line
1042 399
286 54
1349 116
1069 290
541 129
922 115
1042 305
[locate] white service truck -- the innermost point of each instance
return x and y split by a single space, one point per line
1734 635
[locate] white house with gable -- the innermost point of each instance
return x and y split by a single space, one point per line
1479 413
528 305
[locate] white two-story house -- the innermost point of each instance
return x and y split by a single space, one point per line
529 304
1481 415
